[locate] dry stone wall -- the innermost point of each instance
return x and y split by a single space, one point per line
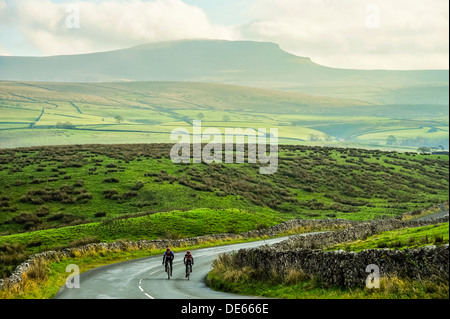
295 252
348 269
161 244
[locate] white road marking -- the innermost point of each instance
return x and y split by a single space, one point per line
149 296
141 288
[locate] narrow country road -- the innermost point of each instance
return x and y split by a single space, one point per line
434 216
146 279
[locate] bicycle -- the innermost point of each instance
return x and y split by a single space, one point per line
188 270
169 270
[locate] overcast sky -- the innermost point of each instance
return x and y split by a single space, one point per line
365 34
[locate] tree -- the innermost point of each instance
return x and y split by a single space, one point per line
119 119
187 119
391 140
424 150
65 126
226 118
201 116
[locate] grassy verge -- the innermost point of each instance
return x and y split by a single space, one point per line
295 284
425 212
44 278
390 288
174 225
401 239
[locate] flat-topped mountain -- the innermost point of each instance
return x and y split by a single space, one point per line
235 62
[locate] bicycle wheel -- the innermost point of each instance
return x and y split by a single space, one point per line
168 270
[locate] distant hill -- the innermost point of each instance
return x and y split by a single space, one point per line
49 113
233 62
157 87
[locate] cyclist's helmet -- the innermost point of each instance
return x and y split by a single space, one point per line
188 251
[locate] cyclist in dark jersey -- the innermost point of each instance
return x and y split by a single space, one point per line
188 261
168 258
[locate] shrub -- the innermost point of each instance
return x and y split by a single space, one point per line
382 245
130 194
19 182
36 243
84 197
111 180
55 217
438 239
79 183
84 241
100 214
43 211
111 193
137 186
28 220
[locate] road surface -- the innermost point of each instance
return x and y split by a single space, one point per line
434 216
146 279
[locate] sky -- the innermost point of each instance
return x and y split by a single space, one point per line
356 34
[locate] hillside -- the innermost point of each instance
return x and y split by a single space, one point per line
59 196
234 62
38 113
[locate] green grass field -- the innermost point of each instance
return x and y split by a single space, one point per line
297 285
34 114
53 197
402 239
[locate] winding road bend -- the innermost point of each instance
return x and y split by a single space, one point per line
146 279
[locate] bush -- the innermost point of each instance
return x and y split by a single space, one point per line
129 195
28 220
84 241
137 186
438 239
24 218
100 214
111 193
55 217
79 183
111 180
382 245
43 211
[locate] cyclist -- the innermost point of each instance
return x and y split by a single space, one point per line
188 261
168 258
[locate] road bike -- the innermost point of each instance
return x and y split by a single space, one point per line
188 270
169 270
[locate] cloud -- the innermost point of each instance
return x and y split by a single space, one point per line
399 34
107 25
412 34
4 52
